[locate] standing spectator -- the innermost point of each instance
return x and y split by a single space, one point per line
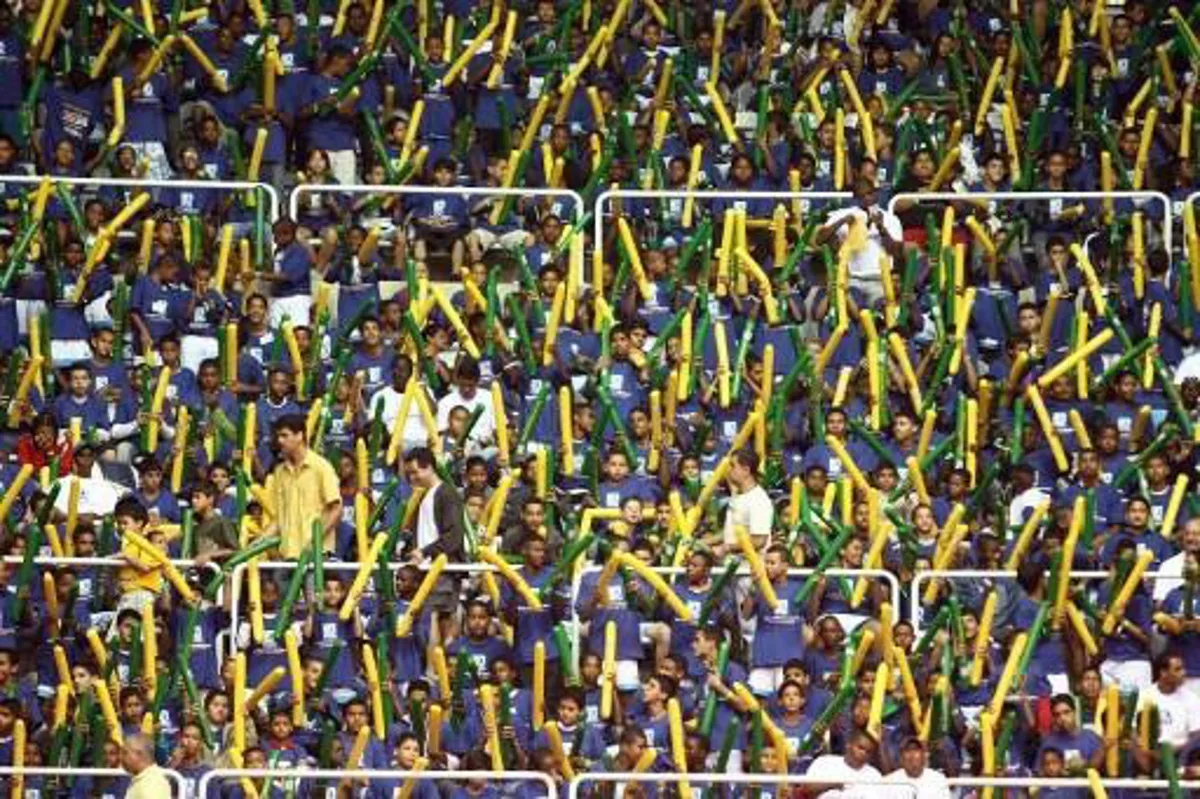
749 507
151 106
330 120
304 490
137 757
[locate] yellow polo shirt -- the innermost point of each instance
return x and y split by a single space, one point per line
132 579
300 495
150 784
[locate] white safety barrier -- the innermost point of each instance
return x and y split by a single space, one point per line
459 191
739 197
742 573
293 777
226 185
174 777
235 577
1047 196
921 578
1191 199
898 788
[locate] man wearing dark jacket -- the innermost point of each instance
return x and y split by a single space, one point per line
440 530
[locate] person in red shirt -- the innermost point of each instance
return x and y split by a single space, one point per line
44 444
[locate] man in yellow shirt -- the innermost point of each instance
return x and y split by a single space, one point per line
137 757
302 489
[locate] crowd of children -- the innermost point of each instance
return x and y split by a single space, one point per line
848 482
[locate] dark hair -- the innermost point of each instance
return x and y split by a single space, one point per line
131 508
467 369
747 458
1062 699
421 456
291 422
206 487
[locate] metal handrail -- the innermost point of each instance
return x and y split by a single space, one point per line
984 574
364 188
720 194
232 185
235 578
47 771
369 774
968 196
743 571
797 779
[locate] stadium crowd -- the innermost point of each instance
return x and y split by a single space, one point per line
313 474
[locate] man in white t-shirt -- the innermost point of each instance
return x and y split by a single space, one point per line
466 392
1170 573
914 770
749 507
837 776
1178 708
883 237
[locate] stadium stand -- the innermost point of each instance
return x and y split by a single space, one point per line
605 399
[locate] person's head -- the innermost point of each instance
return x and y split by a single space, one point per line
535 551
335 591
466 377
699 567
408 749
570 707
775 562
133 705
1062 710
631 744
191 740
743 471
913 756
616 465
791 696
707 642
1052 763
830 631
281 724
659 689
860 749
865 193
354 715
291 436
216 707
419 468
1169 671
130 515
1137 513
137 753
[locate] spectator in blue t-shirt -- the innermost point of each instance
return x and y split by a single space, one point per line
154 311
329 120
440 220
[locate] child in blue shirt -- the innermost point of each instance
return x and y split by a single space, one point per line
779 634
477 641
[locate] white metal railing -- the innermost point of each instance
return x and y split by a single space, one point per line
459 191
337 775
910 788
228 185
920 578
742 572
235 577
1045 196
1191 199
606 197
209 781
29 771
905 789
